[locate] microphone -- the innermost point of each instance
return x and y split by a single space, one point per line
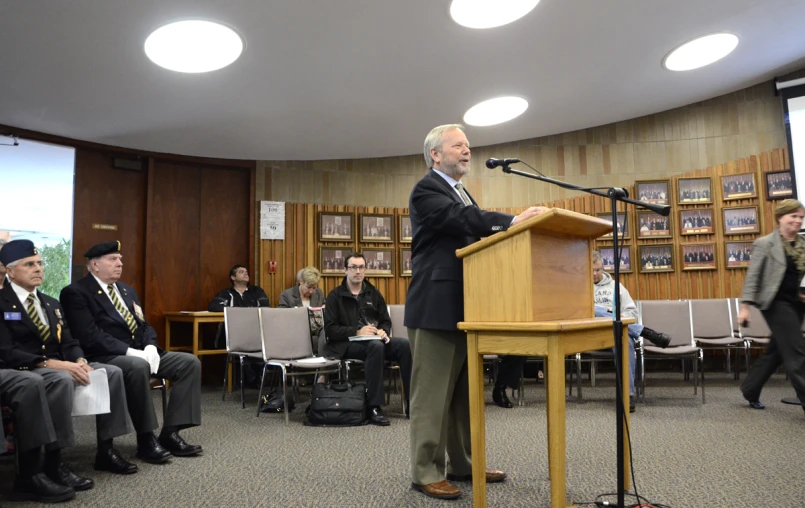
493 163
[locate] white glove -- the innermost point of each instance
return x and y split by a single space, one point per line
152 355
136 352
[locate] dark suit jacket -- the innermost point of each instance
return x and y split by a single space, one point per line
96 323
21 346
442 224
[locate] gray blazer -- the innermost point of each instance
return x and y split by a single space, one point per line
290 299
766 271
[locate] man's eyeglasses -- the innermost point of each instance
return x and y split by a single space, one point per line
356 268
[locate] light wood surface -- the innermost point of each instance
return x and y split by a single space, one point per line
195 319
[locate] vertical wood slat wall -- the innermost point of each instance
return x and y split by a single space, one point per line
301 246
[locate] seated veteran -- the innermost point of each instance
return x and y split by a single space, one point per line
105 316
354 309
306 293
35 339
241 294
2 266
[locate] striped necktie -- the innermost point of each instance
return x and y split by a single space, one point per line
127 316
464 197
44 331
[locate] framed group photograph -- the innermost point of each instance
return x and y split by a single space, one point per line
336 227
405 261
406 233
608 255
696 222
331 260
623 225
698 256
653 225
656 192
379 262
738 186
377 228
696 191
656 258
779 185
738 254
741 220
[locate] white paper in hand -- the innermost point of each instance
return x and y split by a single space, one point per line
92 399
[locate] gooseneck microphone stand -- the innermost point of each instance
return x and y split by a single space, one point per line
614 195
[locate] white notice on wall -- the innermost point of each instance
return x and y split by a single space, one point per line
272 220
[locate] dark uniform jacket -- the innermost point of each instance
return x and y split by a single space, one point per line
344 314
254 296
98 326
21 345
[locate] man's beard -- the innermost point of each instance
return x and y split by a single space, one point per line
454 169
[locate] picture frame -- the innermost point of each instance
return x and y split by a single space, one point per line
376 227
336 227
653 225
740 186
694 191
737 254
656 258
623 225
696 221
656 192
608 255
379 262
779 185
331 260
698 256
405 229
740 220
405 262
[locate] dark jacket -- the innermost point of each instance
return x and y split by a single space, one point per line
254 296
344 314
441 225
98 326
21 345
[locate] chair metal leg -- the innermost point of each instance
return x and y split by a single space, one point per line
593 369
262 383
242 389
284 393
578 377
226 368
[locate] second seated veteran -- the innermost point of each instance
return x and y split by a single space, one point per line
105 316
35 338
356 308
444 218
306 293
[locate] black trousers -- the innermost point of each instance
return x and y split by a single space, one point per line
786 347
510 371
374 354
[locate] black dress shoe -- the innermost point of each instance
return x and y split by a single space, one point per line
500 398
632 404
756 404
660 339
110 460
376 417
149 449
62 475
41 489
174 443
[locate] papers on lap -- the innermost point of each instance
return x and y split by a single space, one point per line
92 399
366 337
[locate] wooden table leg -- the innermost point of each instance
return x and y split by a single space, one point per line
556 423
167 334
475 370
626 420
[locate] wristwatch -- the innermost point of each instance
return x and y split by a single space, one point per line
79 360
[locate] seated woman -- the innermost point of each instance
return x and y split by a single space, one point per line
306 293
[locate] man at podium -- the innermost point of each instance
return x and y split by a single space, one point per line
444 218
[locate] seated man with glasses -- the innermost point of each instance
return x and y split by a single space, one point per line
356 309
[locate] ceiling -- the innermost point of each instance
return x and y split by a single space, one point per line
324 79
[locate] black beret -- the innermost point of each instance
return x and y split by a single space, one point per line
16 250
102 249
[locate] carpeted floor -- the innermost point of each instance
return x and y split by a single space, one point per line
686 454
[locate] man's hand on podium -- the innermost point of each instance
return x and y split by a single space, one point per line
532 211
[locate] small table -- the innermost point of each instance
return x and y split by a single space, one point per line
195 318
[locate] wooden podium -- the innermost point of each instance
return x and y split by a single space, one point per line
529 291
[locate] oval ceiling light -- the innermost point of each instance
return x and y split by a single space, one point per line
193 46
700 52
495 111
489 13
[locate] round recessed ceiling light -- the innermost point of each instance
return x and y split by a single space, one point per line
193 46
489 13
495 111
700 52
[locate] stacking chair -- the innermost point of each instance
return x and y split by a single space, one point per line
158 383
242 341
673 318
757 334
712 329
285 338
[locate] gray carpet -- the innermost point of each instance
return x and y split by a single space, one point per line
720 454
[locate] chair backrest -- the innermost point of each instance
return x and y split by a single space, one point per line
758 328
397 314
242 329
712 318
286 333
672 317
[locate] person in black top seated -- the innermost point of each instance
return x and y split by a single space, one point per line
241 294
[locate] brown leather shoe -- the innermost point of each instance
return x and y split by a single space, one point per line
440 490
492 476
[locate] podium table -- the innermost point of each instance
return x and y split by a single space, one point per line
195 319
550 339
